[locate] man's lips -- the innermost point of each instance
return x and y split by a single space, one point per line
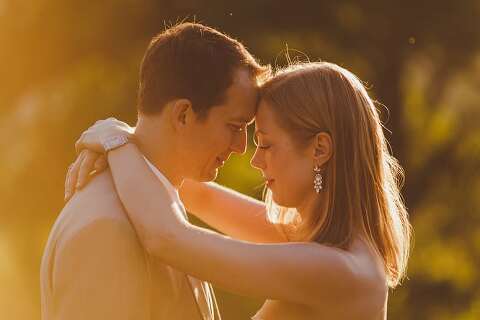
220 162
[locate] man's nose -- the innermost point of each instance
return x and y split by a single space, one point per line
239 143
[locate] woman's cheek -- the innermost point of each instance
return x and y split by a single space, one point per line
266 157
278 166
271 161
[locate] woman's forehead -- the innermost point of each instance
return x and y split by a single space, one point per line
264 120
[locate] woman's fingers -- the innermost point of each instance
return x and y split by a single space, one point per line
72 175
79 144
101 163
68 183
79 172
86 167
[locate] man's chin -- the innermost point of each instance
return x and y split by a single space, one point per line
213 175
208 176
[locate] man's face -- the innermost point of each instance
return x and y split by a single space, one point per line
211 140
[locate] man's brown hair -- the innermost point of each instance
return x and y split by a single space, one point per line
191 61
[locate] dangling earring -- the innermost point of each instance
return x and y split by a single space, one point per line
318 179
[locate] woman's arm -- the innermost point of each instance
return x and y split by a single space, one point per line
224 209
306 273
230 212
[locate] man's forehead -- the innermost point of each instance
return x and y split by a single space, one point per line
243 96
246 111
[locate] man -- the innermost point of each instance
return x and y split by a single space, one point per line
197 93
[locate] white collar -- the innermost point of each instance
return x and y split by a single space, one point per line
170 188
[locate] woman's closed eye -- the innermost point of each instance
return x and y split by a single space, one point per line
262 146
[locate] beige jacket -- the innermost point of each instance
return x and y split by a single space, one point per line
94 267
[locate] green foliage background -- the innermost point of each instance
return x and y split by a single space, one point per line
65 64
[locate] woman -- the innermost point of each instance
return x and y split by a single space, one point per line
332 192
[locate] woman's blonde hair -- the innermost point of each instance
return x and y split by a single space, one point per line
361 180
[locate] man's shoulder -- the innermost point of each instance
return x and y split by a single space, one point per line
97 199
95 208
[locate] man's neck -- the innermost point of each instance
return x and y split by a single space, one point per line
158 149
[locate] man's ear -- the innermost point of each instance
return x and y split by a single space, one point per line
323 148
181 113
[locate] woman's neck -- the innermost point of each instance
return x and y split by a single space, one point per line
314 204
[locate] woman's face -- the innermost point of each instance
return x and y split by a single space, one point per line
287 169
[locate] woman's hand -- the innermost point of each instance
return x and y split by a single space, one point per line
87 164
91 159
95 136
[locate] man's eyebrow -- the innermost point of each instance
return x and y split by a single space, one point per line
243 120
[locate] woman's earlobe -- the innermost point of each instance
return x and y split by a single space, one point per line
323 147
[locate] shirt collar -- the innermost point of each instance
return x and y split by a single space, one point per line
170 188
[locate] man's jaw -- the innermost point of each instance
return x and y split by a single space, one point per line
221 159
220 162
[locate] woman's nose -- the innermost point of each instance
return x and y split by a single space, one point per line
257 160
